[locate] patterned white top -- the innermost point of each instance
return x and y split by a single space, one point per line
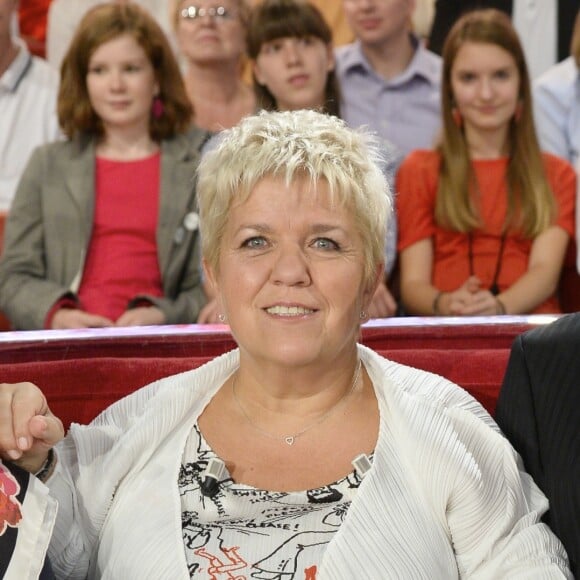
244 532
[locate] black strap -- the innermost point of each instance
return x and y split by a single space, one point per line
494 288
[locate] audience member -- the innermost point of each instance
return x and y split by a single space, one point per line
211 40
103 228
290 45
333 13
64 16
539 411
389 81
557 104
291 50
28 89
246 464
484 220
557 109
544 26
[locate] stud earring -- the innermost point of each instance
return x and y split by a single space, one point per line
362 315
221 318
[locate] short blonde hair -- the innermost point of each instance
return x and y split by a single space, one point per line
296 145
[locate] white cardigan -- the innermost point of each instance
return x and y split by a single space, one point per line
444 498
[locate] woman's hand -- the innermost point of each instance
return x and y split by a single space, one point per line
382 304
67 318
468 300
481 303
141 316
28 429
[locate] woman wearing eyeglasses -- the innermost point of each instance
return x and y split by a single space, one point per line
211 39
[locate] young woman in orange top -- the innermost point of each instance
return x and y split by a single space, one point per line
485 219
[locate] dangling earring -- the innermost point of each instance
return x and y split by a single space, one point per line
221 318
157 107
518 112
362 315
457 118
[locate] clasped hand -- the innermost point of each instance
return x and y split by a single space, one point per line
70 318
28 429
470 299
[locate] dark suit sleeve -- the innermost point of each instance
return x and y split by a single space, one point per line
539 411
516 412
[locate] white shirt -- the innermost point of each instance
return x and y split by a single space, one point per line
537 24
64 16
28 93
444 499
557 110
557 116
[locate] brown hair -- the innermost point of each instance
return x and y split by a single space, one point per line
531 205
104 23
273 19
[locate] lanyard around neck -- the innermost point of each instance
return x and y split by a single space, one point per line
494 288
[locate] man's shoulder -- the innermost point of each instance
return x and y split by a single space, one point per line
43 74
559 78
563 332
348 56
429 64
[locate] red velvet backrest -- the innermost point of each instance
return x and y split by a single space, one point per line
79 389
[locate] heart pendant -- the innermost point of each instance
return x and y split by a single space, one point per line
289 440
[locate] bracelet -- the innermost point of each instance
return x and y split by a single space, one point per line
47 467
500 307
436 301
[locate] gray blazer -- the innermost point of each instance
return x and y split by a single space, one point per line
50 224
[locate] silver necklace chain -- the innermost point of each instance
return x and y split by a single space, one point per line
290 439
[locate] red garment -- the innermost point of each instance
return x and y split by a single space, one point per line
417 181
122 255
32 16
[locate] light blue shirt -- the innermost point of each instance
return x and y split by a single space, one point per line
557 110
405 110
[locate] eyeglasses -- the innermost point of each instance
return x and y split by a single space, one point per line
216 12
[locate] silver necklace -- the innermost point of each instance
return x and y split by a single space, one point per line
290 439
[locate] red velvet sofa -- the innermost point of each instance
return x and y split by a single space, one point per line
81 372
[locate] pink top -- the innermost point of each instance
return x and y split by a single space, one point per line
122 255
